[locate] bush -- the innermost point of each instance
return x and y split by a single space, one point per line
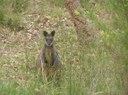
10 11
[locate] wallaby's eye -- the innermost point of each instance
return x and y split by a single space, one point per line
45 33
50 39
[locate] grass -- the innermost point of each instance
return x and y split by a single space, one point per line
94 70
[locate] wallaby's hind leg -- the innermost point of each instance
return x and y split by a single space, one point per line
44 73
56 77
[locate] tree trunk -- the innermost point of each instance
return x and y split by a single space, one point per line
79 21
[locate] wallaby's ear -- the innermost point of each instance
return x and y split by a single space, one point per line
53 33
45 33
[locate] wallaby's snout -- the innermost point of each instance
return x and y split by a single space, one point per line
49 38
49 41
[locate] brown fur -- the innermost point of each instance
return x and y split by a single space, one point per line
49 62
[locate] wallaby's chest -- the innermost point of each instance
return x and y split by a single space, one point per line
48 55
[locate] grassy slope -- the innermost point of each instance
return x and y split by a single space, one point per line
90 71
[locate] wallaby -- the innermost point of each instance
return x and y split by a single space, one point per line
48 59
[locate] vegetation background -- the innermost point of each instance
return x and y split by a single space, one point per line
100 68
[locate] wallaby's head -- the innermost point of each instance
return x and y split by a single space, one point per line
49 38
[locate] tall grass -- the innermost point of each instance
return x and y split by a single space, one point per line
122 20
115 36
